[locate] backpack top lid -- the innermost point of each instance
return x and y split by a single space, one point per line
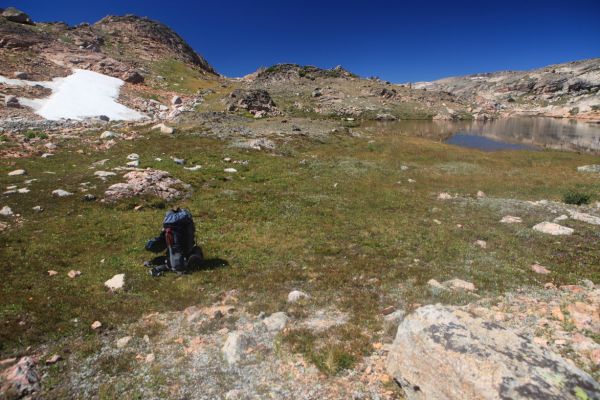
177 216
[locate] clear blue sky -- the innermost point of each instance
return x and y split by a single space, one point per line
395 40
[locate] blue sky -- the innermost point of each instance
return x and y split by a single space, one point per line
395 40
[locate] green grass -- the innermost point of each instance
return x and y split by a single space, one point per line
180 77
337 225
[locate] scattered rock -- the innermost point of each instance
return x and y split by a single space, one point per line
11 101
509 219
89 197
590 219
256 144
14 15
73 274
297 295
96 325
252 100
480 194
276 322
116 282
61 193
444 196
589 168
194 168
20 380
552 228
17 172
122 342
458 285
150 358
54 359
134 163
163 128
176 100
230 170
478 360
540 269
6 211
133 156
235 347
21 75
52 272
104 174
179 161
108 135
148 182
481 243
133 77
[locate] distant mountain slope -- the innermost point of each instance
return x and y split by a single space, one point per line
565 90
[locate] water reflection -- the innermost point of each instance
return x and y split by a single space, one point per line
534 132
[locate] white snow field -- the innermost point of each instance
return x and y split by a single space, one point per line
81 95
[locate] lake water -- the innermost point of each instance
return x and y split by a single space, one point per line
517 133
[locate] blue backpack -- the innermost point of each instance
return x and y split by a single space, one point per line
178 237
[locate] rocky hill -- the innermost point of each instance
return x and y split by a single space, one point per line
121 46
561 90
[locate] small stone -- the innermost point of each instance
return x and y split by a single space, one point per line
104 174
572 288
38 209
89 197
435 284
388 310
540 269
133 156
481 243
480 194
6 211
52 272
17 172
108 135
230 170
122 342
553 229
557 313
179 161
509 219
150 358
54 359
61 193
134 163
458 285
412 181
96 324
276 321
21 75
296 295
561 218
235 347
116 282
176 100
11 101
23 190
163 128
73 274
194 168
444 196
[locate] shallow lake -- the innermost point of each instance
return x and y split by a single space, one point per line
517 133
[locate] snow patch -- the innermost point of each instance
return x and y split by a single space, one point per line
83 94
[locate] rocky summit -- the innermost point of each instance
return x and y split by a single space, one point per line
360 238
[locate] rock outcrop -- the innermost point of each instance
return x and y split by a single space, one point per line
254 101
478 359
149 182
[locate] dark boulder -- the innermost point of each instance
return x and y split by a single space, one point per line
14 15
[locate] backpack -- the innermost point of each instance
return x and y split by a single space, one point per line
178 237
